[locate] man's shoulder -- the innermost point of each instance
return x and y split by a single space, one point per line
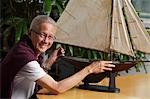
23 48
20 53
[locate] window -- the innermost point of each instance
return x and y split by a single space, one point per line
143 8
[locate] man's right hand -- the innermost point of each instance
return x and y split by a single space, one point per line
100 66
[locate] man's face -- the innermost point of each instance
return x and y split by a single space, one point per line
43 37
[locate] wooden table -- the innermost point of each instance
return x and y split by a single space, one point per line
131 87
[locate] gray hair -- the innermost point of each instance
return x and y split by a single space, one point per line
42 19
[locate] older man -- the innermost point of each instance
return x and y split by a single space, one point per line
22 68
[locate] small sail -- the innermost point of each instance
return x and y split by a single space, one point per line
140 37
120 41
86 24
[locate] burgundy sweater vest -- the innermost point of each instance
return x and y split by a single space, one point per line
18 56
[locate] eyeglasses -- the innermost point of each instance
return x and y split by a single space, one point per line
44 36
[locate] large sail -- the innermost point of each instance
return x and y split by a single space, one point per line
86 24
92 24
139 36
120 41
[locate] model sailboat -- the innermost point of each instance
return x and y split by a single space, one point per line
103 25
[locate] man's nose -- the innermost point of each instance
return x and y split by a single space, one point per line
46 40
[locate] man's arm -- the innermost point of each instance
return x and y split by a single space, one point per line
59 87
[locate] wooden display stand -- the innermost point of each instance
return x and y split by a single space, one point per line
111 88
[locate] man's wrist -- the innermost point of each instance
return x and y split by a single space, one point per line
89 70
50 61
46 66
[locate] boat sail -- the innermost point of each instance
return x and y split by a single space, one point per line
101 25
139 35
120 41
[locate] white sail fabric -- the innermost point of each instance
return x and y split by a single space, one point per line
120 41
86 24
92 24
139 36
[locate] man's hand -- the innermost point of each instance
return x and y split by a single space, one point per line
53 57
57 53
100 66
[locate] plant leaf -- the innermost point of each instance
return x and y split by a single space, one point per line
71 50
47 6
59 9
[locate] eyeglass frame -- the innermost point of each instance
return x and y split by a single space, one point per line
44 35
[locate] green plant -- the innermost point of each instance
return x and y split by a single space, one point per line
15 19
